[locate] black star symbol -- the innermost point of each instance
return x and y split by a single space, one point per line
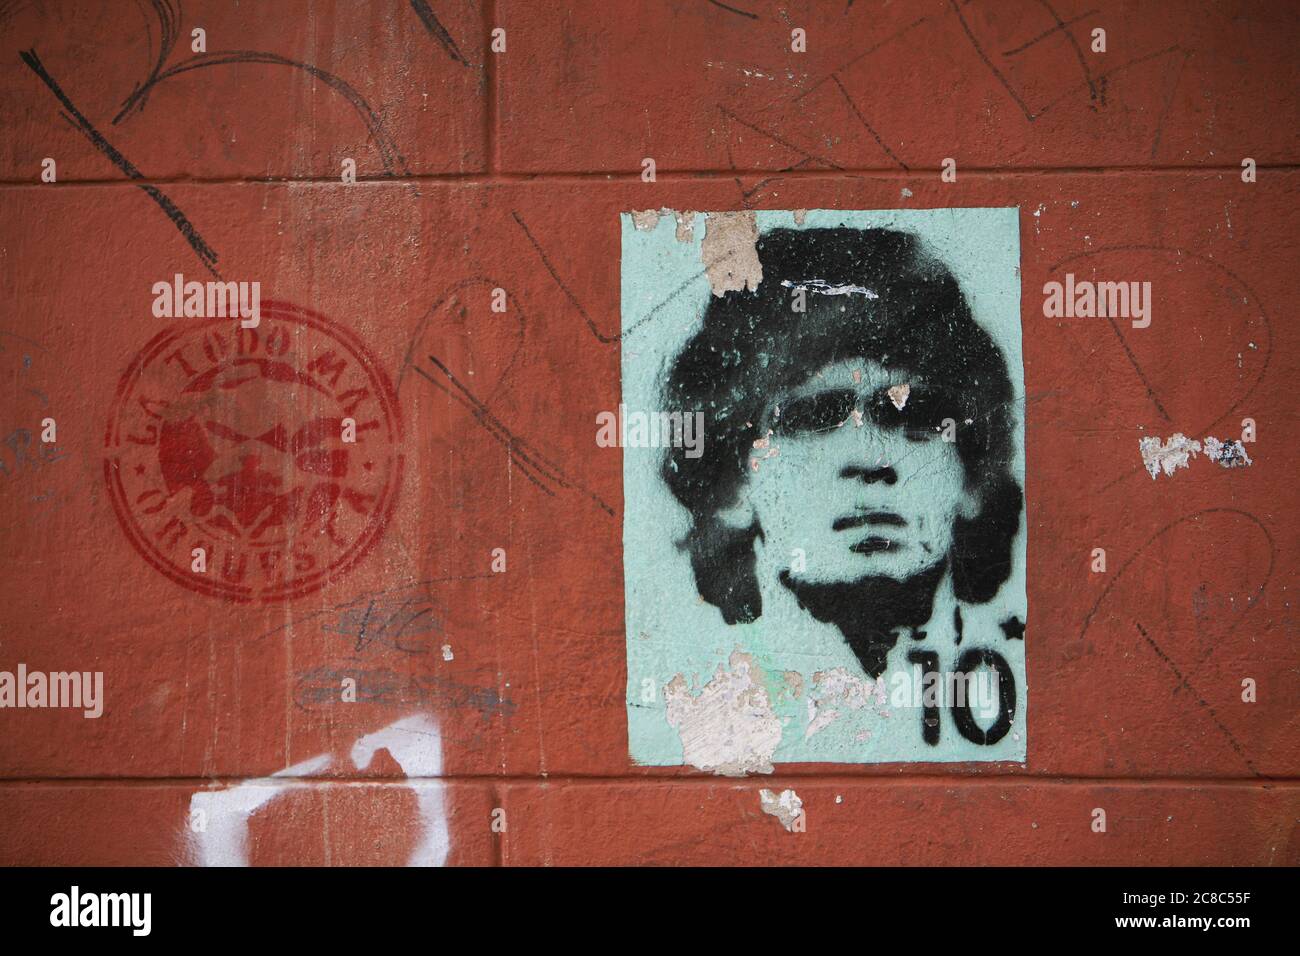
1013 629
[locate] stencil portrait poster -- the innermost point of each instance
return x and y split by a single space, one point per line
823 465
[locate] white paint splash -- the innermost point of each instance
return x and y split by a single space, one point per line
222 815
415 744
447 655
217 834
739 69
785 806
730 727
822 287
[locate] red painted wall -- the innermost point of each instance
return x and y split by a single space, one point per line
478 170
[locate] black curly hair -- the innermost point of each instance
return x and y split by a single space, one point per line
753 344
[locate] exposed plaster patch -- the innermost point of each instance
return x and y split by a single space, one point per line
1229 454
730 728
729 251
834 688
785 806
645 219
898 395
685 225
1167 456
447 655
905 193
799 216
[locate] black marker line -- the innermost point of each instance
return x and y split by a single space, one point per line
743 13
74 116
437 30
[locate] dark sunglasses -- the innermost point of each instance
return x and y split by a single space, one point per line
921 416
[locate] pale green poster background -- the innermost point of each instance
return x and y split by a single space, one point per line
795 692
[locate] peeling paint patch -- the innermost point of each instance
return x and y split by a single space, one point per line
898 395
645 219
730 728
447 655
833 689
764 443
785 806
1180 450
729 251
1167 456
799 216
793 682
1229 454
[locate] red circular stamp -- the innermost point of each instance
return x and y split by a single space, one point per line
276 450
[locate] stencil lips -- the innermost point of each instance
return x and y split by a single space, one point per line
865 518
874 544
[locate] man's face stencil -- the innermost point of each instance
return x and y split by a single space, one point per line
855 479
